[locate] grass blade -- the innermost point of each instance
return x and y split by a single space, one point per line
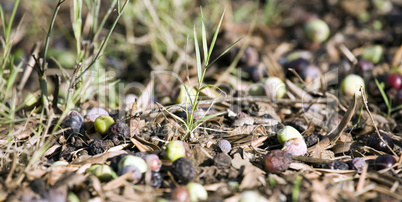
13 76
211 47
396 108
208 117
383 94
224 52
10 23
3 19
198 57
204 40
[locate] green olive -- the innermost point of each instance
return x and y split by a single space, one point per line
351 85
287 133
316 30
135 161
102 124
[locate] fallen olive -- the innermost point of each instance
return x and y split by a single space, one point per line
287 133
102 124
197 191
277 161
316 30
133 160
295 146
384 161
351 85
174 150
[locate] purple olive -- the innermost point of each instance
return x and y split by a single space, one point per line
384 161
358 164
394 81
224 145
180 194
376 143
277 160
74 122
295 146
305 69
364 66
136 175
153 162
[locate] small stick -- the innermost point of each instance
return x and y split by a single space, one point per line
362 179
348 54
372 119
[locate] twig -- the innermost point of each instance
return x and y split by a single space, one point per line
29 67
348 54
372 119
362 179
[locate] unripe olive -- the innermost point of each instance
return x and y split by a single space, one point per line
103 172
174 150
247 196
92 168
30 99
287 133
373 53
274 87
133 160
59 163
197 191
257 89
316 30
102 124
351 85
182 97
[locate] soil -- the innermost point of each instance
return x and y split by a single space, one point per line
45 166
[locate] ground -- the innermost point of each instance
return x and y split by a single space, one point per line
337 83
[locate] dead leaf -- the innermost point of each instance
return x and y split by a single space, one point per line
144 145
253 177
